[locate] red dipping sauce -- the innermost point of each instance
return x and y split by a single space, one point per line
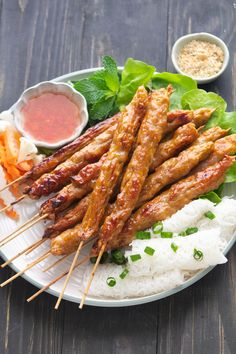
50 117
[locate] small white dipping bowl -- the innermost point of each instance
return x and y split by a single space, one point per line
50 87
182 41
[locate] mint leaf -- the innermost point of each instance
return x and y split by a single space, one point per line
101 109
111 73
93 91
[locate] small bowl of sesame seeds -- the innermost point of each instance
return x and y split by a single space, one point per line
202 56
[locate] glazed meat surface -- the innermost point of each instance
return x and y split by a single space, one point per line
170 201
64 199
174 169
151 131
223 146
68 220
183 137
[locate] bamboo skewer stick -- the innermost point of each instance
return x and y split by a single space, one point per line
26 251
92 276
85 259
25 223
67 255
13 203
56 263
40 242
13 182
31 265
21 229
69 274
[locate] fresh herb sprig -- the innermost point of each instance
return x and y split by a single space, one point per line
107 90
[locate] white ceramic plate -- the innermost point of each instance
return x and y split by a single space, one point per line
39 278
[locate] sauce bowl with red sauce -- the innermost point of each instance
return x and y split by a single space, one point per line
51 114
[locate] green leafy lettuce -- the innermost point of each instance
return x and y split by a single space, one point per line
195 99
180 83
135 74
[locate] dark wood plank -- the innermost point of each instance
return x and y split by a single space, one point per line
43 39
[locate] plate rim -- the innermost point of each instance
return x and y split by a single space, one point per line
115 302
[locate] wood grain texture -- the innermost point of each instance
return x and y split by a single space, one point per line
41 39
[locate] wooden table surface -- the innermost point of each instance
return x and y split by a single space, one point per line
42 39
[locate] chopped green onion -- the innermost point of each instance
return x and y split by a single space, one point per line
124 273
149 250
111 281
210 215
117 257
157 227
174 247
166 234
191 230
135 257
182 233
198 255
143 235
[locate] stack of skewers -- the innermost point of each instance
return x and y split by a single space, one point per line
108 184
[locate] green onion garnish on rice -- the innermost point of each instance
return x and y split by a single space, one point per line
143 235
197 254
191 230
124 273
182 233
111 281
210 215
157 227
174 247
135 257
149 250
166 234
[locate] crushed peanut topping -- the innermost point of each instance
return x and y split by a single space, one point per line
200 58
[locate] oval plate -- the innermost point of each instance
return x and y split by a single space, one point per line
37 277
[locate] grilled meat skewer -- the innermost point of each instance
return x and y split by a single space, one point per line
150 133
170 201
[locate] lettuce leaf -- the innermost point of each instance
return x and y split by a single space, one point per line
135 74
226 120
180 83
198 98
231 174
212 196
